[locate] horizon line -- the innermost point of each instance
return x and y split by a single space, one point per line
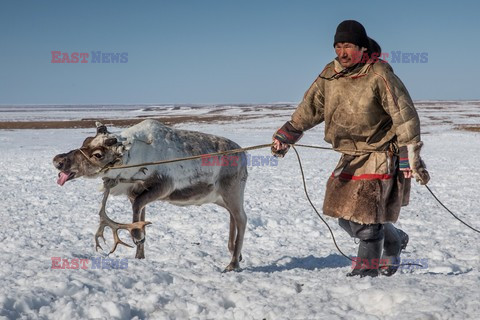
204 103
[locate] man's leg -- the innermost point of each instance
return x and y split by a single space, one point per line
395 241
370 247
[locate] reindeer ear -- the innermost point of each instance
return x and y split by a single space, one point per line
101 128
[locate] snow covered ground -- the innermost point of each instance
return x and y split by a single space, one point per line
291 269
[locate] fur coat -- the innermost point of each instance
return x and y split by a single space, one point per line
370 118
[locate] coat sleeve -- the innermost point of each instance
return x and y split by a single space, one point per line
310 111
396 101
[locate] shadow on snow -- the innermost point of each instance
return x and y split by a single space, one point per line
308 263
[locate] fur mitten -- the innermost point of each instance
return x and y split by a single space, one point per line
418 167
286 134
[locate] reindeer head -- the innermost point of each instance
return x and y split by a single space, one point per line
94 154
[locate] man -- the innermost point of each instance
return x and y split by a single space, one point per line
370 118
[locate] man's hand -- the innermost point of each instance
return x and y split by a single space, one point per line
279 149
421 174
280 145
283 138
417 166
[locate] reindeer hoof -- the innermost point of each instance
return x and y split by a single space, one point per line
232 267
138 241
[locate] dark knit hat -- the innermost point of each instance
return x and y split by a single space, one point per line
351 31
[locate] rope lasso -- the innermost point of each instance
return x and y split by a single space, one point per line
232 151
330 229
106 168
313 206
449 211
109 167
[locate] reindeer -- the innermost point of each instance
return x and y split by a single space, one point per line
180 183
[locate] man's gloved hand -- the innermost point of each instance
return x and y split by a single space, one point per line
282 139
279 149
417 166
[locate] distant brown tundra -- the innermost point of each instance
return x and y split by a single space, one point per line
180 183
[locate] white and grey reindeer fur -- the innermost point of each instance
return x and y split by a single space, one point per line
180 183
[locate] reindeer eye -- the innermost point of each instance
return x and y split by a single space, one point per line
98 155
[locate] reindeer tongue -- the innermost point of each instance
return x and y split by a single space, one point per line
62 178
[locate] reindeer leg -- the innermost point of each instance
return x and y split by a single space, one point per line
106 221
237 214
232 234
232 195
138 207
232 231
241 222
140 254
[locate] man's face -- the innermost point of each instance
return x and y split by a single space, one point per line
348 54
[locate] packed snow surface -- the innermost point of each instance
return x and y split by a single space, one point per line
291 269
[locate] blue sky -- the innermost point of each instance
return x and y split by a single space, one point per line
223 51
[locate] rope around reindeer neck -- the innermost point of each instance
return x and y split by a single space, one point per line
232 151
